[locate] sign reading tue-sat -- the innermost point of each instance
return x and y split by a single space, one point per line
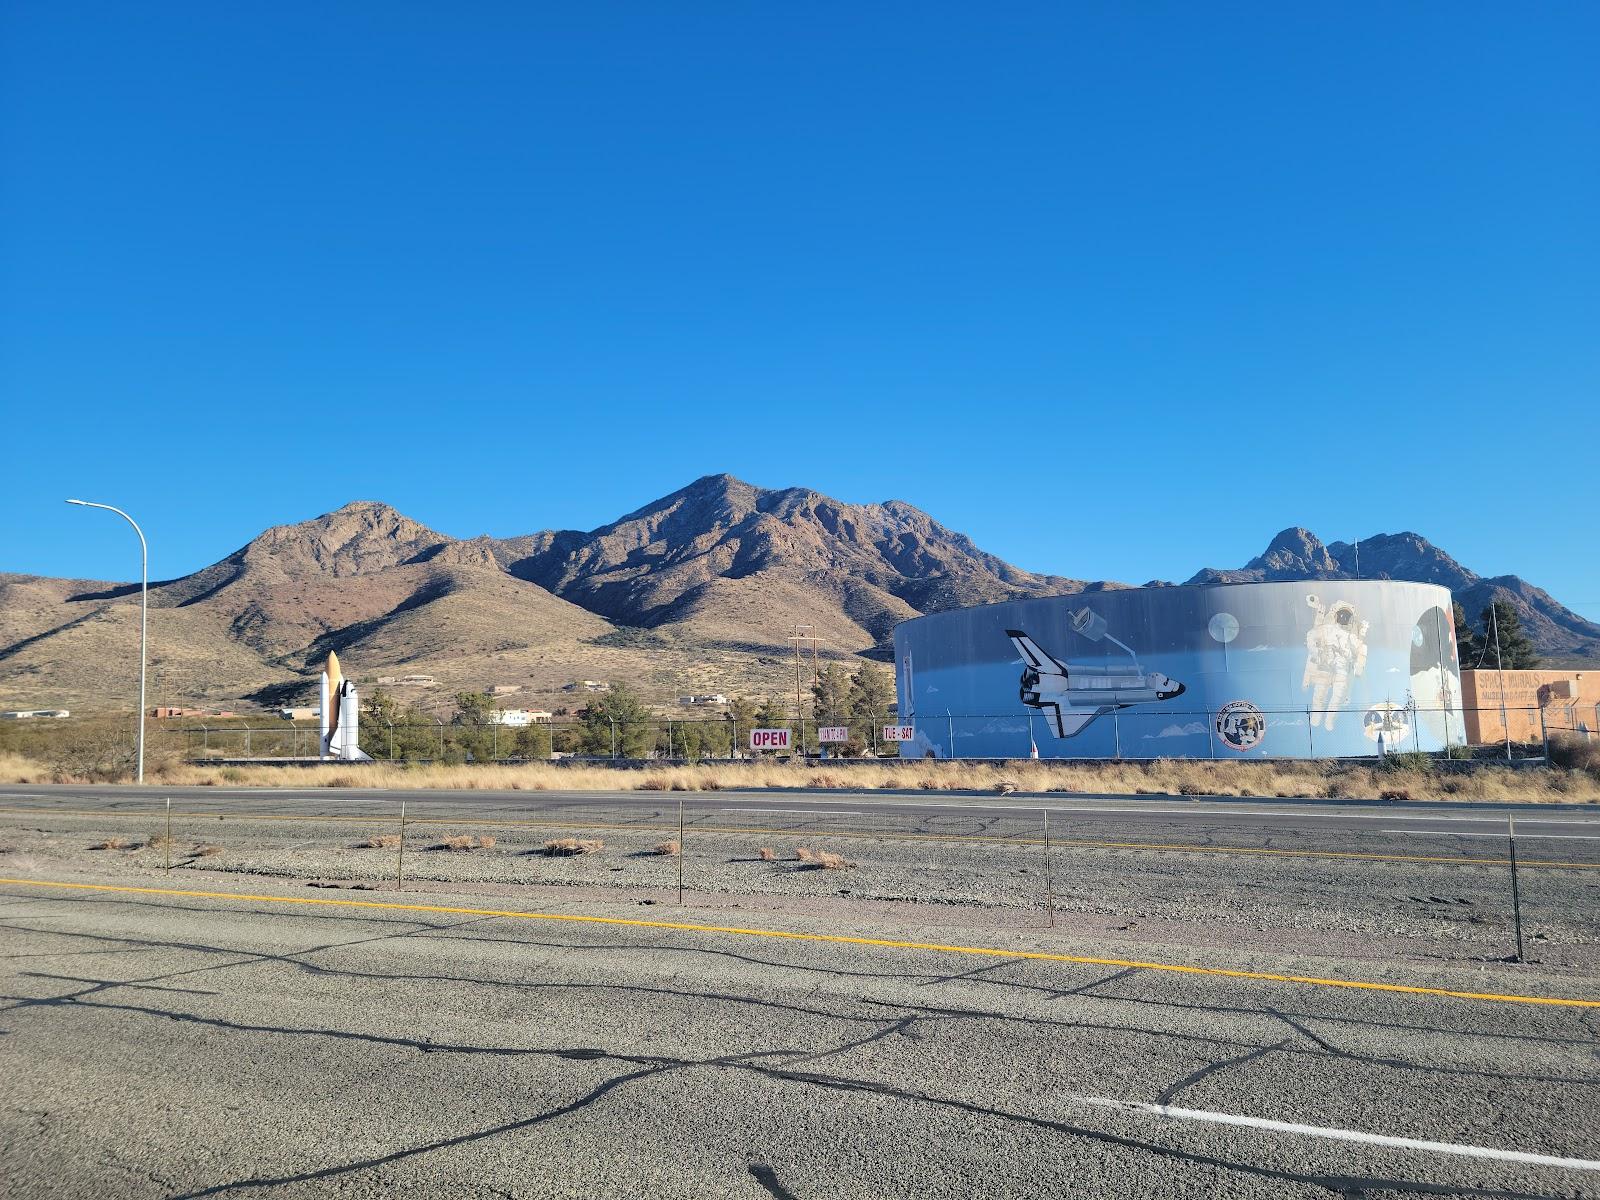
899 733
769 739
836 734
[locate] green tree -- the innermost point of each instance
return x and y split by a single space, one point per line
533 740
743 713
478 739
1466 640
1505 643
833 693
620 709
872 697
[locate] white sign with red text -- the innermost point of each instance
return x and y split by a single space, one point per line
833 733
899 733
769 739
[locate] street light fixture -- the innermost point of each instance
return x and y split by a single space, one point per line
144 612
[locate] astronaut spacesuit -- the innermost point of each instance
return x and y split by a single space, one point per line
1336 653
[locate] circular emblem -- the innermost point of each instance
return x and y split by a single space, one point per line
1388 721
1240 725
1224 627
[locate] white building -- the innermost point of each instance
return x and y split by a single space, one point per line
519 717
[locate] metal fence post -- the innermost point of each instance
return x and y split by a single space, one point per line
496 725
613 721
1311 737
1116 734
681 849
400 851
390 724
1544 736
1049 884
1516 895
168 845
951 722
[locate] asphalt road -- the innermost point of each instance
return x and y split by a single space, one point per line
1388 882
1546 832
165 1045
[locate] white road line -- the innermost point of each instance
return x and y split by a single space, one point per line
1344 1135
1579 837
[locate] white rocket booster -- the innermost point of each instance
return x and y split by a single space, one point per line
340 715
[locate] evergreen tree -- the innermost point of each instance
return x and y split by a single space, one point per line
1505 643
872 695
622 709
1467 647
833 693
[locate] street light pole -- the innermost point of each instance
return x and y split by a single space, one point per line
144 613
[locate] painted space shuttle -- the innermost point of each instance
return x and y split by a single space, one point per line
340 715
1072 697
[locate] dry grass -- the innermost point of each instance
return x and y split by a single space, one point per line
1576 752
670 849
767 855
464 842
804 854
156 841
379 841
111 843
207 851
1572 779
562 847
829 861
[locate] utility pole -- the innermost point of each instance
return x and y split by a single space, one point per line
1500 671
800 636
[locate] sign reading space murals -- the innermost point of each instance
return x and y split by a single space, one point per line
769 739
833 734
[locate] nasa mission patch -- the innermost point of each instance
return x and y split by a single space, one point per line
1241 725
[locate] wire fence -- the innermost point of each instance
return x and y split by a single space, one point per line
1188 733
96 746
1484 884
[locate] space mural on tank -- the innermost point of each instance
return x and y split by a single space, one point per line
1265 670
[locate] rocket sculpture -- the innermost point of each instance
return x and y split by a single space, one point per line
341 711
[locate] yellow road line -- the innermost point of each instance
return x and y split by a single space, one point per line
986 951
975 838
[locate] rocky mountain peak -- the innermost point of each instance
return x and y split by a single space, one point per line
362 537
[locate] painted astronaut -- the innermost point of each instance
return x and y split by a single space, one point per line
1336 653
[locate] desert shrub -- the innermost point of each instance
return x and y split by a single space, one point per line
1005 786
670 849
1575 753
111 843
829 861
654 783
465 841
766 854
1394 794
709 783
803 854
824 779
562 847
207 851
380 841
1407 760
156 841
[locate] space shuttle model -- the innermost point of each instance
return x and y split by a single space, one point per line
1072 697
340 715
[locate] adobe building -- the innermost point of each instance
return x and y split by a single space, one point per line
1568 700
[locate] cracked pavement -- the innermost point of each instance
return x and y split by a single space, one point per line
177 1046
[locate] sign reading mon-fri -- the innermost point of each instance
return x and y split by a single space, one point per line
899 733
834 734
769 739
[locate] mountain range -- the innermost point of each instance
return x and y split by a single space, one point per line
695 592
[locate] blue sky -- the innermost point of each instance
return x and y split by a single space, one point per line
1119 290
